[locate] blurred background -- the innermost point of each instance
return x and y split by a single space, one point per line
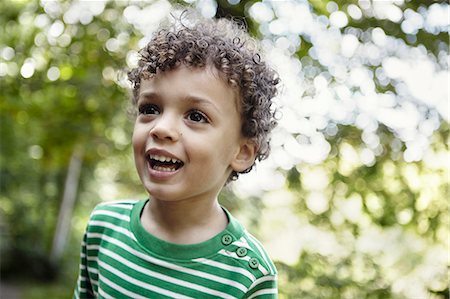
352 203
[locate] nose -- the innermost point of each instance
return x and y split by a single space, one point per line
165 128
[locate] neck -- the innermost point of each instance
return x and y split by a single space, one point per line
184 222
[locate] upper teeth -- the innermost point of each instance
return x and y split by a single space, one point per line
164 159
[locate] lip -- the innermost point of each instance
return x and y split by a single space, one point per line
156 174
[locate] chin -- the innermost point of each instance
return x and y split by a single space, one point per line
164 193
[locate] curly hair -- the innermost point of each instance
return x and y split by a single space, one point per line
226 46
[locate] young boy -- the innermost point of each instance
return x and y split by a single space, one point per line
204 100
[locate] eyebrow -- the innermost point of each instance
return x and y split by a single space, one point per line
202 101
190 99
147 95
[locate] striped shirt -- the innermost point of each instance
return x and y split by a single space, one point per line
120 259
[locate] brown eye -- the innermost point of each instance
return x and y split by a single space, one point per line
149 109
197 116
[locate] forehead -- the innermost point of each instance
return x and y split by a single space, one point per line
183 81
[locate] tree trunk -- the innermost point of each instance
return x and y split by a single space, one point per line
68 202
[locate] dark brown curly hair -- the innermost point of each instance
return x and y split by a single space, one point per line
226 46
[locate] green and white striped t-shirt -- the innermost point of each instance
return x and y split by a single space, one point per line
120 259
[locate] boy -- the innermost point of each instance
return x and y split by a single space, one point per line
204 100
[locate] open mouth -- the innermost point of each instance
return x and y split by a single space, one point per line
165 164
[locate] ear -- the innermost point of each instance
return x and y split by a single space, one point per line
246 155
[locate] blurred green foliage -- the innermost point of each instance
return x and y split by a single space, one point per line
44 121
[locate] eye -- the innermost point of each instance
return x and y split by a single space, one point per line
197 116
149 109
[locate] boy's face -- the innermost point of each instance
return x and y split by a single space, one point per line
187 138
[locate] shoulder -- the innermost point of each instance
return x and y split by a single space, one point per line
121 204
116 212
248 249
259 256
111 220
265 283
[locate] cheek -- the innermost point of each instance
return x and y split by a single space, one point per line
135 144
138 137
220 150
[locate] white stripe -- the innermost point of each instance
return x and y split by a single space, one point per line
169 265
121 206
93 258
136 282
244 258
128 202
115 286
226 267
263 292
261 251
92 247
263 270
115 228
92 270
112 214
242 242
160 276
104 294
261 280
233 255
